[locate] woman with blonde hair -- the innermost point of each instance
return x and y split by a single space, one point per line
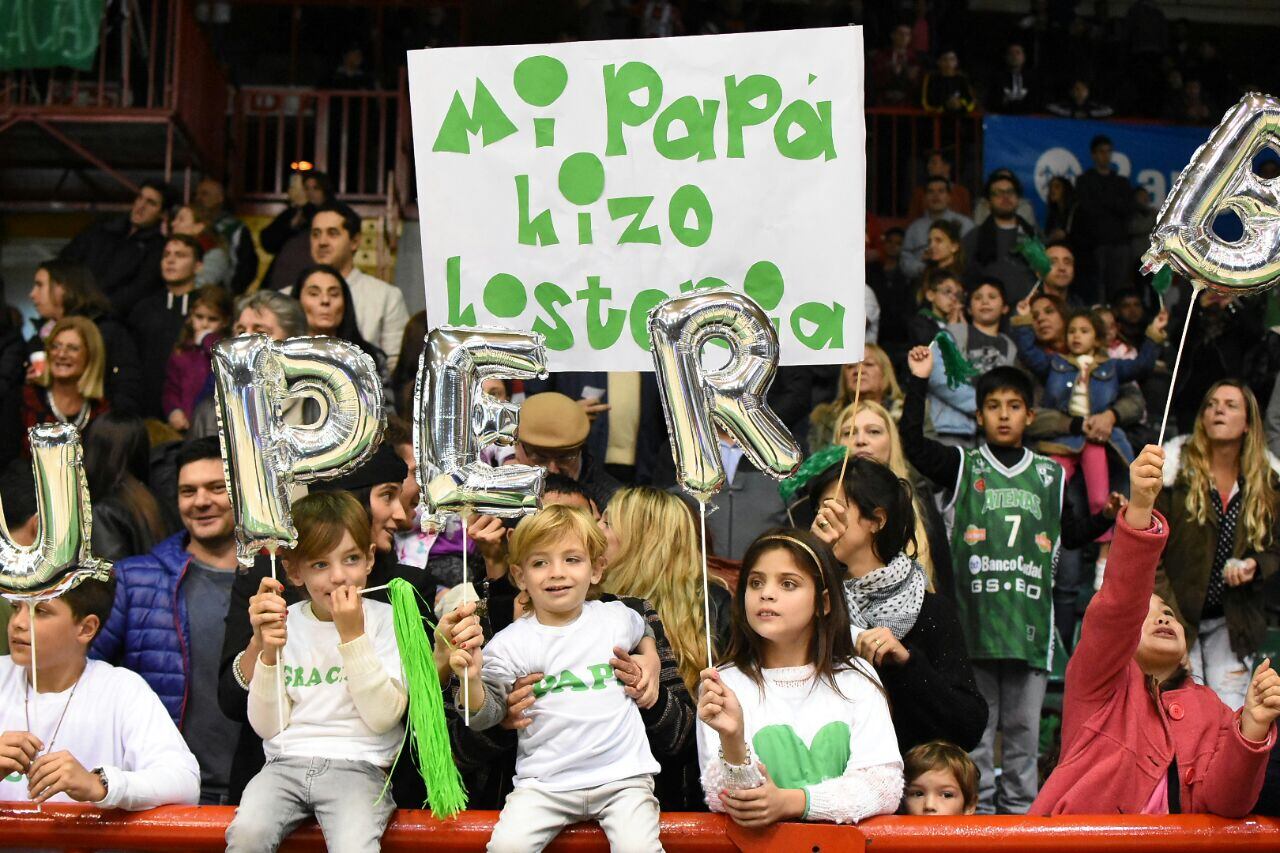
879 385
1222 489
652 553
69 389
869 432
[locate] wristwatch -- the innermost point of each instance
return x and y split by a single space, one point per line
102 777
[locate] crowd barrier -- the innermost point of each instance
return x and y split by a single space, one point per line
185 828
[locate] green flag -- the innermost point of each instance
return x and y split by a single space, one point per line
49 33
1032 250
1161 281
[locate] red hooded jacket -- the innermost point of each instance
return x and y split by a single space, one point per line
1117 741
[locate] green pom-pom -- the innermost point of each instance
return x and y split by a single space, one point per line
1162 280
810 468
1033 252
957 368
426 726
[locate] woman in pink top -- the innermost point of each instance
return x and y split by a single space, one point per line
1138 735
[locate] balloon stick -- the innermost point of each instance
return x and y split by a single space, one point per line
280 695
848 449
706 584
35 682
1177 361
466 682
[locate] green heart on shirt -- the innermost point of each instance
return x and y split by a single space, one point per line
15 776
791 764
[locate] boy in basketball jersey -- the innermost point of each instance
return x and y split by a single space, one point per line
1007 526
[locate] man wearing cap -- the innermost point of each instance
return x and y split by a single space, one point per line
553 433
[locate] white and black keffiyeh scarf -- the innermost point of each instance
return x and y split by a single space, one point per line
888 597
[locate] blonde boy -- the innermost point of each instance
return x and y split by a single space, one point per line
941 780
584 755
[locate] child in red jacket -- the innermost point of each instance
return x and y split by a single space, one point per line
1138 735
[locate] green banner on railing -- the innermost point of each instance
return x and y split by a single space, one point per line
49 33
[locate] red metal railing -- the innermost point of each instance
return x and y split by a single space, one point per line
898 142
153 66
83 828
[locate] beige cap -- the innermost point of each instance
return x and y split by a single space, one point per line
552 421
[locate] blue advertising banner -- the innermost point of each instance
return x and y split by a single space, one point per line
1038 149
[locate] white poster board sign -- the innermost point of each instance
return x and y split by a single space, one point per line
569 188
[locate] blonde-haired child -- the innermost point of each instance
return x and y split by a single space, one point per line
941 780
584 755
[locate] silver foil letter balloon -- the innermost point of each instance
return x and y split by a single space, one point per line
266 448
696 400
454 420
59 558
1220 178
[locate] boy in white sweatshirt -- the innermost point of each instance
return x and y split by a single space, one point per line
89 732
334 732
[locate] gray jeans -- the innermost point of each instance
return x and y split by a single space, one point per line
627 811
1015 695
1217 667
341 794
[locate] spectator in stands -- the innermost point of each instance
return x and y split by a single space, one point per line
911 636
938 165
792 671
158 318
984 346
1060 209
124 253
263 312
288 237
326 299
553 433
211 198
1221 510
1139 736
893 291
64 289
941 780
1078 104
1062 272
948 90
405 373
937 207
187 376
1131 317
894 73
13 358
872 379
991 247
69 390
351 73
109 743
942 302
170 605
376 485
1049 322
1223 332
1105 202
1190 107
379 307
1014 89
869 432
117 456
215 260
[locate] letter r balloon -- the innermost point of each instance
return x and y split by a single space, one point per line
454 420
263 455
696 400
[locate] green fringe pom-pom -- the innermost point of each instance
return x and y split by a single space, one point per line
426 727
810 468
958 369
1033 252
1162 280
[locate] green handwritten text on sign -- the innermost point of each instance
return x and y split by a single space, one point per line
570 188
49 33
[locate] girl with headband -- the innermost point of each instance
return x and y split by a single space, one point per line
794 725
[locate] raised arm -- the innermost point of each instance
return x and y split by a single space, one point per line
937 461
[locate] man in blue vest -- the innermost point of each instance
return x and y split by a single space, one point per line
170 607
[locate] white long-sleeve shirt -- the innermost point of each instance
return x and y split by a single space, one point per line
342 700
113 720
381 314
840 749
